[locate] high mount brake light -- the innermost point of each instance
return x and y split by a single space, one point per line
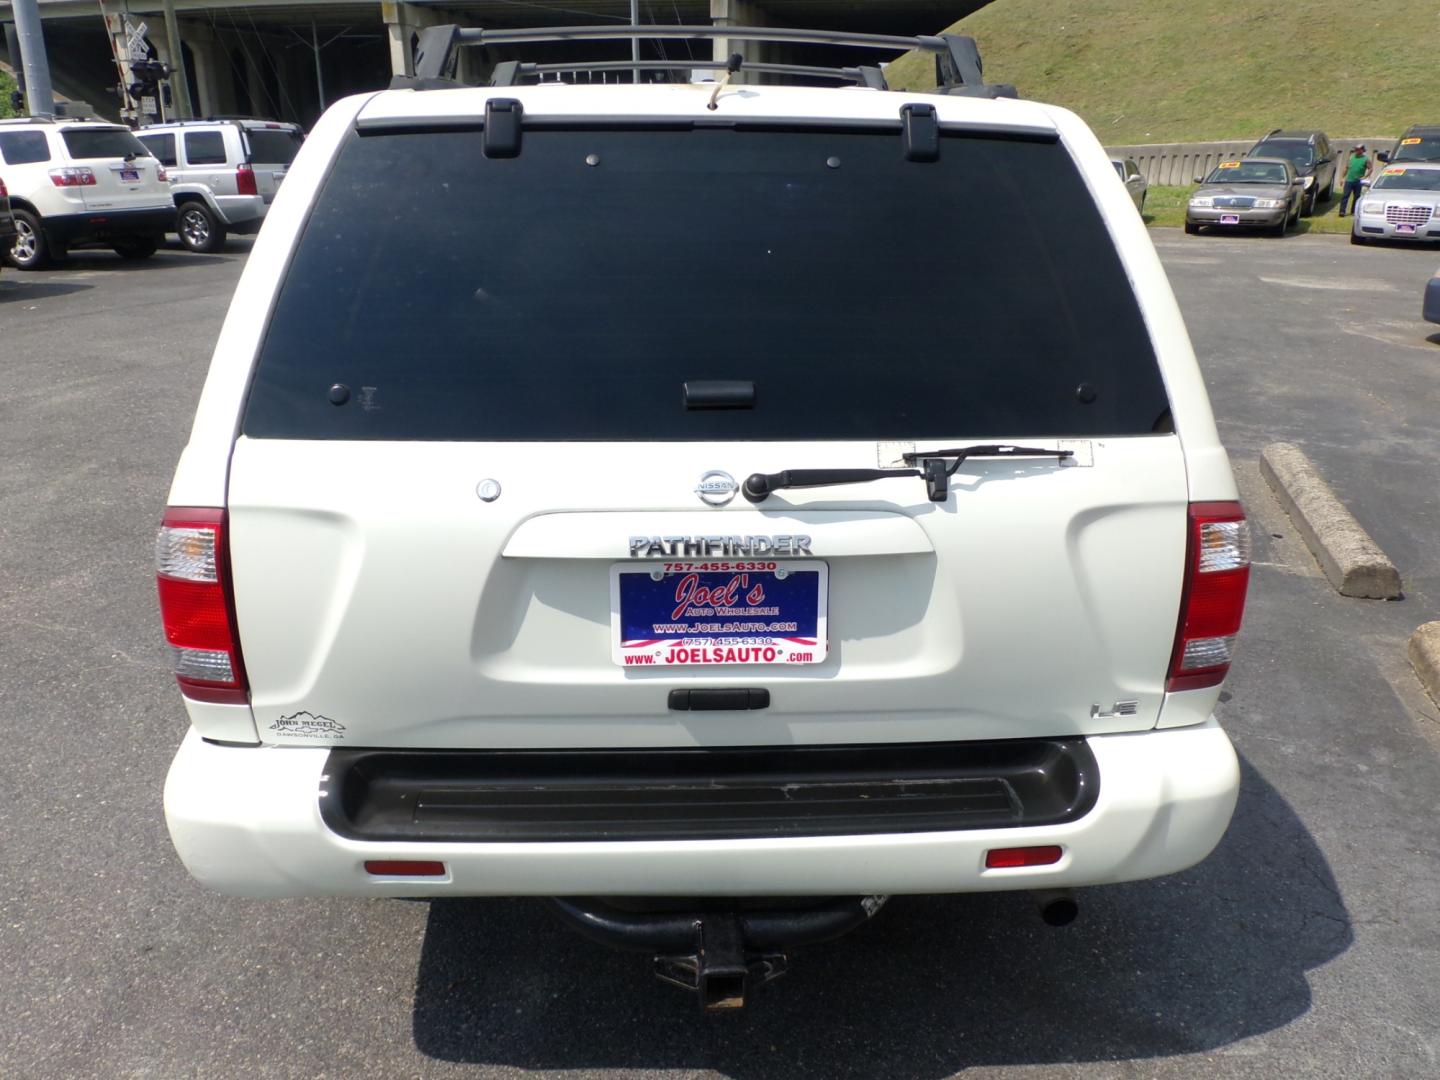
1217 574
245 181
197 605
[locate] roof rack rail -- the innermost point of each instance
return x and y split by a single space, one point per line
515 73
217 120
958 69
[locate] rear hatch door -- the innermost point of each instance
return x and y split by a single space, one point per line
484 490
270 148
126 176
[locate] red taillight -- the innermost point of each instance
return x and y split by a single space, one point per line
161 174
1008 858
1217 573
74 176
3 192
404 868
192 572
245 180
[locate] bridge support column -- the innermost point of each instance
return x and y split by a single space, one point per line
738 13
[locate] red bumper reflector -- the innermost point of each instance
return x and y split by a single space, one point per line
404 868
1006 858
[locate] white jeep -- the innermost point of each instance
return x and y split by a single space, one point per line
728 504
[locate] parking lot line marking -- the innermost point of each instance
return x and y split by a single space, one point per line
1337 285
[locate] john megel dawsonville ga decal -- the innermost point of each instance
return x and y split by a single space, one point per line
309 725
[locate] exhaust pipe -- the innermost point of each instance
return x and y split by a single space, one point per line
1057 906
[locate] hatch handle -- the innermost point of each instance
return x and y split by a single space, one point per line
502 128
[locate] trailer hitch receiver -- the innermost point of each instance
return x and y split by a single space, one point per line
723 950
720 971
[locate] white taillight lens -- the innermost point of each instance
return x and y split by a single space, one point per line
1224 545
74 176
207 665
1217 575
196 605
186 553
1207 652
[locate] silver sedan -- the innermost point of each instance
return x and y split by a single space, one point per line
1254 192
1403 203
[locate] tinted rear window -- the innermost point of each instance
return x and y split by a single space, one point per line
1298 153
204 148
162 146
271 147
23 147
89 143
546 297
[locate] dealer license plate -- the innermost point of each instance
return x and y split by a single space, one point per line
1405 230
1229 219
719 612
129 176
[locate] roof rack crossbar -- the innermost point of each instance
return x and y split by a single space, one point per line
957 59
518 72
480 36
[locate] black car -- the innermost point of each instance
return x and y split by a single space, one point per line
7 219
1310 153
1431 308
1421 142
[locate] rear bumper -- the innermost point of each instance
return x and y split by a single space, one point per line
105 225
242 213
247 821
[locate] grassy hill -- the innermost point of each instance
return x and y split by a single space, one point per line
1175 70
7 86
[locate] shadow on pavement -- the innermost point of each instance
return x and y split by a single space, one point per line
935 985
108 262
14 288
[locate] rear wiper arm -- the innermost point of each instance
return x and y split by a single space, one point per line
936 466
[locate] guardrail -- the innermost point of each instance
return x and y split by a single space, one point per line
1180 163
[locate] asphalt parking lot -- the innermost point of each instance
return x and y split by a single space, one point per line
1307 945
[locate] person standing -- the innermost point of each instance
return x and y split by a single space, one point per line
1355 172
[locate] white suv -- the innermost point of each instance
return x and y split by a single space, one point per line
224 174
78 182
599 494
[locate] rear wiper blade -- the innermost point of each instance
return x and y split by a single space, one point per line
936 466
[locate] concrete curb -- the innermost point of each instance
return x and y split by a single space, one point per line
1352 561
1425 658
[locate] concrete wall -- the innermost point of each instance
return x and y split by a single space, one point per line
1180 163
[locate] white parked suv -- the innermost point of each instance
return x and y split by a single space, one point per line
81 182
731 516
224 173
